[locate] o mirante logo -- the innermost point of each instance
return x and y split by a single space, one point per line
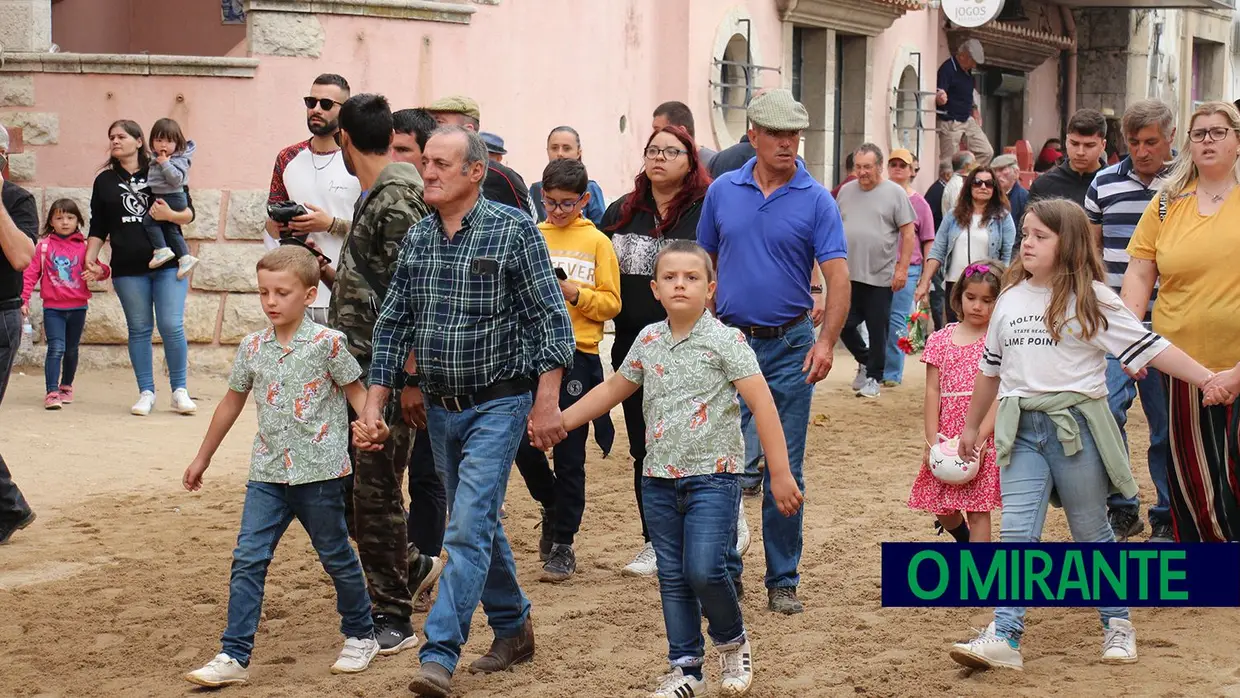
971 13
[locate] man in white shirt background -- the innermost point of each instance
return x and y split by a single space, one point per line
312 173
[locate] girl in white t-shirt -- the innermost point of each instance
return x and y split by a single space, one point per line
1045 359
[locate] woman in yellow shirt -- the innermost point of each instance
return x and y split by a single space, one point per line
1187 240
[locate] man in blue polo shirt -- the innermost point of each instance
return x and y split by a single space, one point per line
955 101
1114 203
767 225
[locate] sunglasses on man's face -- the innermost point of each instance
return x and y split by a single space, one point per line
324 103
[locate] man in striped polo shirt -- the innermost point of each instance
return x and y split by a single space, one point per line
1114 203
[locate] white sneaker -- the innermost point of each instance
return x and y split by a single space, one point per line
988 651
1119 642
356 655
644 565
185 264
736 667
678 685
144 405
742 532
859 381
870 389
181 404
221 671
161 257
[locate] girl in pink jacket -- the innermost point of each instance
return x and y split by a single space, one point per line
59 259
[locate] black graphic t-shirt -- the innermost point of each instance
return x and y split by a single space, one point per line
117 204
1029 362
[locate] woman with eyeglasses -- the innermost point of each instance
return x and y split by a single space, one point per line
1186 242
565 143
979 228
665 205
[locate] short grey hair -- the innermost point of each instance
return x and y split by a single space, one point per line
4 139
962 160
872 149
1146 113
475 148
1004 161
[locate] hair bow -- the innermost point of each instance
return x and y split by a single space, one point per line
975 269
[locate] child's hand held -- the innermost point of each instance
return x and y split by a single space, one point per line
787 495
968 444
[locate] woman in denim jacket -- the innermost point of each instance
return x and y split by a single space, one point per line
983 218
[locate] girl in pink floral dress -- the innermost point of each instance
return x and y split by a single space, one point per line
952 356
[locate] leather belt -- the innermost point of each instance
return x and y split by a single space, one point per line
772 332
495 391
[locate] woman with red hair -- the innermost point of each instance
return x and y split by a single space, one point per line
665 205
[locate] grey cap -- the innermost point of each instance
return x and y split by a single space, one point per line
777 110
1003 161
974 48
4 139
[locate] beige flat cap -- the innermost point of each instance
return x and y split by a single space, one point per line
456 104
776 110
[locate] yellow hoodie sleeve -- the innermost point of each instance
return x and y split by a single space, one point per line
602 302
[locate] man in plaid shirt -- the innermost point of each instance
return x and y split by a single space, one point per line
475 300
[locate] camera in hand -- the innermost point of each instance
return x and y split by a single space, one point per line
285 211
559 274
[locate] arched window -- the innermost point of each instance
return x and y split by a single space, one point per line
736 83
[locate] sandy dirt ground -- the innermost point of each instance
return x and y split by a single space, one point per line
121 585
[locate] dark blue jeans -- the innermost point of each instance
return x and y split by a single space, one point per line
692 523
164 234
64 334
781 361
13 506
269 509
474 450
1122 391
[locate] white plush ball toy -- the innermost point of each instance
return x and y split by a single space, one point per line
947 464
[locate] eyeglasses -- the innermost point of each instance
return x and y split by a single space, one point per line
564 206
324 103
1217 133
669 153
984 183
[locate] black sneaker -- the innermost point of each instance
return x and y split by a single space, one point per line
784 600
560 565
8 529
1161 533
544 541
1125 523
394 634
424 571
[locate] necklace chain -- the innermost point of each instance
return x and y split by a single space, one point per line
327 164
1216 198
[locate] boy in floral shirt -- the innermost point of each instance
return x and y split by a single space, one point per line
301 374
692 366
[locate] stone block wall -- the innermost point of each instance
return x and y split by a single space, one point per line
222 306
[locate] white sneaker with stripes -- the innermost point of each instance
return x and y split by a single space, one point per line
736 664
680 685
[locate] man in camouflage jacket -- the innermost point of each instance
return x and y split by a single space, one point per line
390 204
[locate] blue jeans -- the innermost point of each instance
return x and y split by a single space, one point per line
781 360
64 334
1038 466
269 509
692 522
164 234
474 451
157 296
1122 391
901 308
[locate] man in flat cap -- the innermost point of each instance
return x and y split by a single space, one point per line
955 101
502 184
764 290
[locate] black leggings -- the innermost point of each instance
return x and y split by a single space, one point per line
634 426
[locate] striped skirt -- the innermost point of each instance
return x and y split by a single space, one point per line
1205 492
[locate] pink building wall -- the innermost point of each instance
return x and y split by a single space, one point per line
916 31
175 27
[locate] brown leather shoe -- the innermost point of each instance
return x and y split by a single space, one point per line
432 680
507 652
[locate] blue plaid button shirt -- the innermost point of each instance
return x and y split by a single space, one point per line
479 308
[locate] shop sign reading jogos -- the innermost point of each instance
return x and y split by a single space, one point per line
972 13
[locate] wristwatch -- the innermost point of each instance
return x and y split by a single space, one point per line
412 380
815 289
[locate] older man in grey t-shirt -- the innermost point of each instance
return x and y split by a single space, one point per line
878 222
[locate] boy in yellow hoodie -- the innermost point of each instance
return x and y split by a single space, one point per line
589 277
